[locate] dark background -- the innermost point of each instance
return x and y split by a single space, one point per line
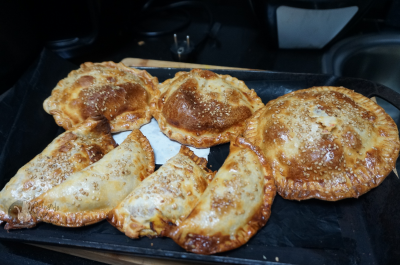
243 40
114 30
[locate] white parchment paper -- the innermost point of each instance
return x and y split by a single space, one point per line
163 147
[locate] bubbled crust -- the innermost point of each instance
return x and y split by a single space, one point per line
236 204
70 152
88 196
164 198
201 108
120 93
328 143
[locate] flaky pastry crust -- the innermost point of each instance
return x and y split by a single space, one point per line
70 152
328 143
89 195
202 109
165 198
120 93
235 205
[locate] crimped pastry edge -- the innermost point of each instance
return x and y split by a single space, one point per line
288 189
191 139
88 217
137 135
117 219
200 161
98 124
256 222
64 121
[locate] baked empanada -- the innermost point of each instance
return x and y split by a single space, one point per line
120 93
201 108
164 198
328 143
236 204
70 152
87 196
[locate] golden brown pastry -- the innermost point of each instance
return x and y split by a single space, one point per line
87 196
236 204
201 108
328 143
120 93
70 152
164 198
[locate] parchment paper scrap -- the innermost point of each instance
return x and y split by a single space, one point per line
163 147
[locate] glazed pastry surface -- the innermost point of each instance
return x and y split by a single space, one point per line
202 109
120 93
70 152
165 198
235 205
87 196
327 143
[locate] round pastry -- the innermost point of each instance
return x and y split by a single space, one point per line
120 93
201 108
328 143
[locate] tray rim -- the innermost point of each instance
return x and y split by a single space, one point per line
22 237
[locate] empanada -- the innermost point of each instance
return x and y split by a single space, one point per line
87 196
120 93
328 143
70 152
236 204
201 108
164 198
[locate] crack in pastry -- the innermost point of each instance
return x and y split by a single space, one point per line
235 205
120 93
201 108
87 196
70 152
164 198
328 143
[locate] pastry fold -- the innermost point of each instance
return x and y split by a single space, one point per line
202 109
235 205
120 93
87 196
164 198
70 152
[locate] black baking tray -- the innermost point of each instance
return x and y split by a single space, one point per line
352 231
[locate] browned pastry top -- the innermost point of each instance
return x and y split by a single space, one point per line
325 142
201 108
120 93
87 196
165 198
235 205
70 152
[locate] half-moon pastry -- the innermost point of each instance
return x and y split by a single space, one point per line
236 204
201 108
87 196
70 152
164 198
120 93
328 143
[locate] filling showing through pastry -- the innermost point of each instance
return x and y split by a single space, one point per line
328 143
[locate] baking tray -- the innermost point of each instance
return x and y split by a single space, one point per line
351 231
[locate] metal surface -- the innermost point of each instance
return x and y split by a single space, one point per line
380 64
374 57
306 232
